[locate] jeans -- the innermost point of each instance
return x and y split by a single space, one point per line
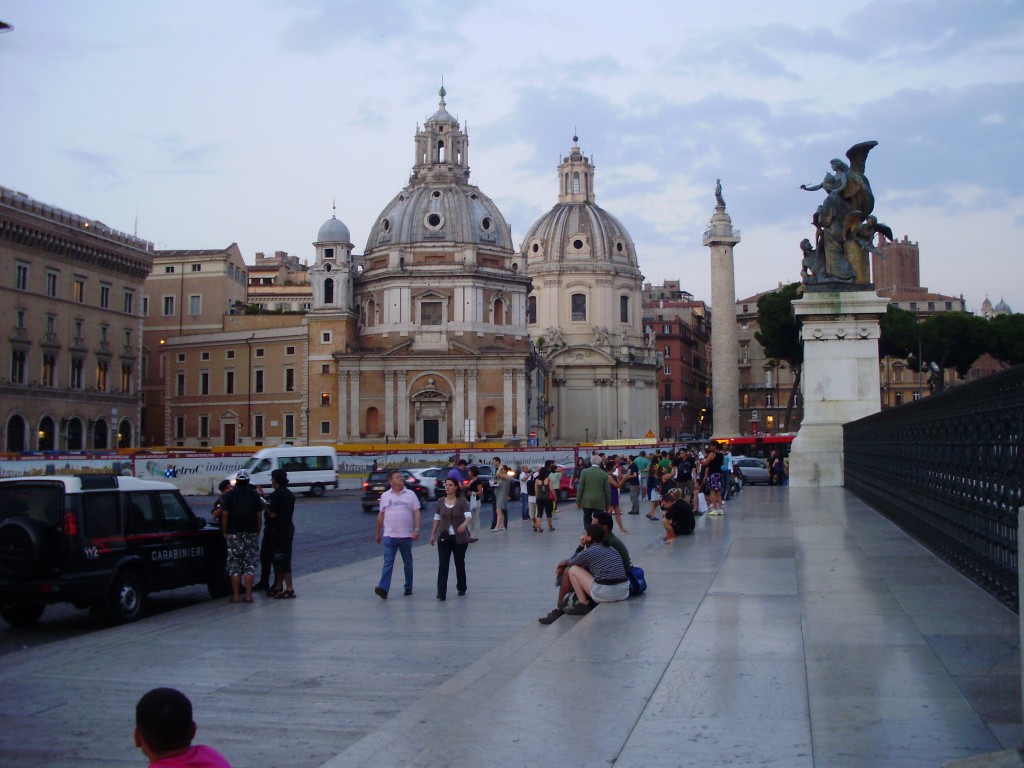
634 499
391 546
445 550
524 501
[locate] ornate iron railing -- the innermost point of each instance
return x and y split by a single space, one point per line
948 470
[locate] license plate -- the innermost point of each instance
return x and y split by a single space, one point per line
378 488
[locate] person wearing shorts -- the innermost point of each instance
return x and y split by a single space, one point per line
241 520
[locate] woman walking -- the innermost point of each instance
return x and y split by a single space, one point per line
545 501
501 490
450 532
713 480
615 480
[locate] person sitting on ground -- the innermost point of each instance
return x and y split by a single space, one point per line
164 730
596 574
677 517
605 520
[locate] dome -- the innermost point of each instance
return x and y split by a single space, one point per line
333 231
1002 308
426 213
582 231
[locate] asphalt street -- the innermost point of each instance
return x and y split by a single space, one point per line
329 532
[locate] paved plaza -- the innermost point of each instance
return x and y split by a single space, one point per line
800 629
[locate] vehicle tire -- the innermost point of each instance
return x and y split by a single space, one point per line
25 547
22 615
127 598
316 491
563 495
219 585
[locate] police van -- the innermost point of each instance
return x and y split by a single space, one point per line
103 542
311 469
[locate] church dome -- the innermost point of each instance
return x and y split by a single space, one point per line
1002 308
578 231
333 231
440 212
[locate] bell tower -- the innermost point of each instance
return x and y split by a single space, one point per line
576 177
442 148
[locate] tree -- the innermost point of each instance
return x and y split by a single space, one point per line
954 340
779 334
1007 338
899 334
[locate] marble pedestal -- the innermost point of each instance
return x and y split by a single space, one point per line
840 381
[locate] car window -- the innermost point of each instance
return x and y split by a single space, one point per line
40 501
143 516
176 516
263 466
100 515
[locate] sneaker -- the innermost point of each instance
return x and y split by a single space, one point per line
408 591
441 598
550 618
381 593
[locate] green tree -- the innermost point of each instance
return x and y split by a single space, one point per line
779 334
954 340
1007 338
899 334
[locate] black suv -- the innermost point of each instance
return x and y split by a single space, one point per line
377 483
102 542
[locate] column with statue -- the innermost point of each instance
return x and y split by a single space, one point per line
839 316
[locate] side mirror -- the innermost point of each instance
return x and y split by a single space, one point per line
200 522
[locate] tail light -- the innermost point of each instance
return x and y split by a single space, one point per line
366 486
70 525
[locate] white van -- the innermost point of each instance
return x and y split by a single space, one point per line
311 470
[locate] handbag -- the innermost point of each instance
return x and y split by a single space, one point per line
637 582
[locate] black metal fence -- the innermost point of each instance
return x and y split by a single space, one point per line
947 469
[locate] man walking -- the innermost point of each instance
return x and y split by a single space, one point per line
594 492
399 519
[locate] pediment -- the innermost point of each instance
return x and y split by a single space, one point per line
581 355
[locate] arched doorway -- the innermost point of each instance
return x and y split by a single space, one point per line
100 434
124 434
15 434
430 408
47 434
75 433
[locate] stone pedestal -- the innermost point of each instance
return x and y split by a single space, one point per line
840 381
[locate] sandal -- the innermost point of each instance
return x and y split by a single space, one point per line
288 594
236 599
247 599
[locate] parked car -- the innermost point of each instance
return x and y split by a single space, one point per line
752 470
566 487
103 542
377 482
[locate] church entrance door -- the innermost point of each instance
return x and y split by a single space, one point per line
431 431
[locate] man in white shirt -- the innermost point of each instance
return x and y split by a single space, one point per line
399 520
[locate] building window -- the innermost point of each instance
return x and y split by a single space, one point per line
127 339
79 290
899 398
197 267
195 304
21 276
917 395
204 383
75 381
768 377
104 296
668 369
746 399
204 355
931 306
745 354
48 372
769 400
666 329
126 379
102 372
51 325
179 426
258 382
289 425
579 307
145 306
19 318
325 398
229 382
229 354
289 350
169 270
328 253
667 353
325 427
430 313
668 390
51 283
949 306
326 337
168 306
129 302
289 379
257 425
179 385
531 310
913 306
624 309
181 357
259 351
204 426
325 367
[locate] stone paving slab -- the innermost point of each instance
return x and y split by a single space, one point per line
801 629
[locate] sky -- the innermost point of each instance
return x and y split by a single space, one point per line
198 124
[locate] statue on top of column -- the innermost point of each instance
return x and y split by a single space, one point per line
845 228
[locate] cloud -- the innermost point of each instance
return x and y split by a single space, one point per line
96 166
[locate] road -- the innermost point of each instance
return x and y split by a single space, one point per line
329 532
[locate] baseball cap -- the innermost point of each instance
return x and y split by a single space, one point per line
242 476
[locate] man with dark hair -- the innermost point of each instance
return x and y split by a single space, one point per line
398 526
604 519
595 573
241 521
280 511
164 730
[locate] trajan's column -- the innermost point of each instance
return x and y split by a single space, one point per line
720 237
